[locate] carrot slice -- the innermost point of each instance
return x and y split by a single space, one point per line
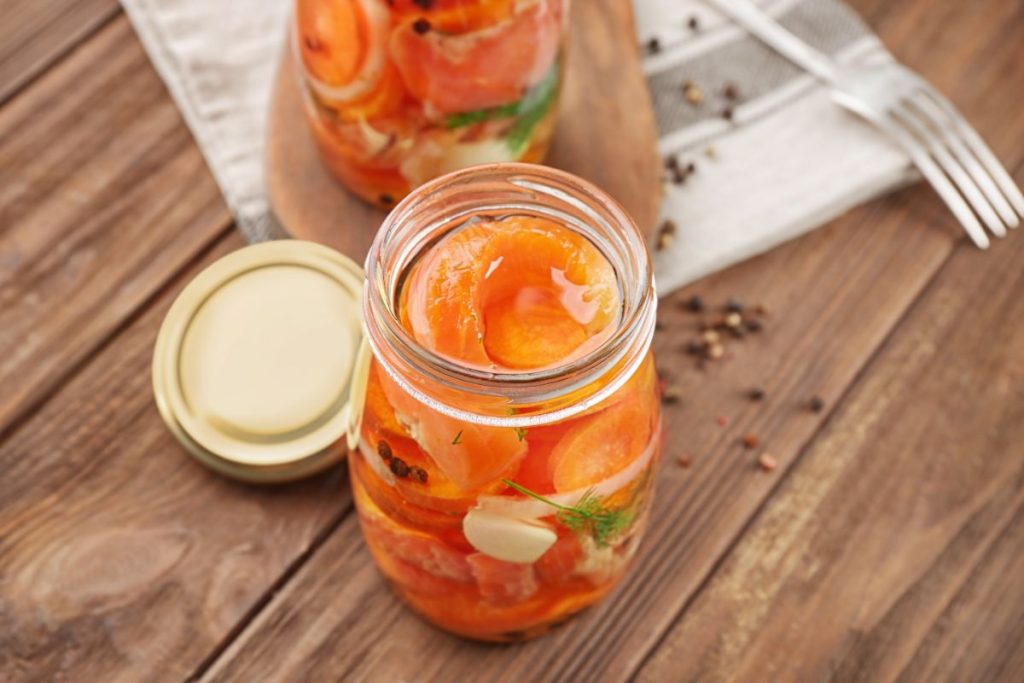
600 445
479 69
332 38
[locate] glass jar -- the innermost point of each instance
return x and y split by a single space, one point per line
500 500
397 92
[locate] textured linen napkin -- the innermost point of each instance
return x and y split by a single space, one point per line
773 157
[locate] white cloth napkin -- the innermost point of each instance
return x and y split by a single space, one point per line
787 161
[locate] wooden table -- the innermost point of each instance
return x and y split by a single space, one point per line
888 543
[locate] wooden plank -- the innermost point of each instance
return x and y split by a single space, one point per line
896 548
103 196
122 558
35 33
360 630
836 294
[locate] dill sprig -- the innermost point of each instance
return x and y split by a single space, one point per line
590 516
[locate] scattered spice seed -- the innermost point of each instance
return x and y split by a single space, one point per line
734 306
419 474
733 320
312 43
691 168
710 152
692 92
727 113
424 4
672 162
694 347
684 460
421 26
384 450
716 351
666 235
653 46
756 394
816 404
671 394
760 310
695 304
721 421
710 337
458 439
658 326
387 199
693 24
399 468
731 92
753 325
767 462
751 440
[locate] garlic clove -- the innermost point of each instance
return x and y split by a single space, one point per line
507 538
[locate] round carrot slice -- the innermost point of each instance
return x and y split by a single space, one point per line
600 445
332 38
455 16
522 292
478 69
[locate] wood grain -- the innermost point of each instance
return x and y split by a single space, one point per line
611 141
103 196
866 271
35 33
904 523
816 348
121 558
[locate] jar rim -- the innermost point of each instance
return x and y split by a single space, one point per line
410 228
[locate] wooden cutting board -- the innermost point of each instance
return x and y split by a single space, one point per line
605 133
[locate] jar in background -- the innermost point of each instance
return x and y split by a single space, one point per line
397 92
512 419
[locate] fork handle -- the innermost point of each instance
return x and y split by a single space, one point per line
761 25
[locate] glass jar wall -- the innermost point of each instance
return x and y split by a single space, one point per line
512 420
397 92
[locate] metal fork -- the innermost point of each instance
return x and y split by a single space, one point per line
943 146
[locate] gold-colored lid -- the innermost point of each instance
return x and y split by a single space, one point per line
260 365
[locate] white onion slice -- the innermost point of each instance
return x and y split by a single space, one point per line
529 508
376 463
379 20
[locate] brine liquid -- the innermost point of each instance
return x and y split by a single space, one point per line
399 92
510 294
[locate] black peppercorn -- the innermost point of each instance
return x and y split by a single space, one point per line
399 468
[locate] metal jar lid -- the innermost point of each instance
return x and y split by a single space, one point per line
260 366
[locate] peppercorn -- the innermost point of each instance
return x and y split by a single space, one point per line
421 26
693 23
730 91
424 4
399 468
654 46
695 304
753 325
756 394
694 347
387 199
751 440
816 404
384 450
419 474
734 306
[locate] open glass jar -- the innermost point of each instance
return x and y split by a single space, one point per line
397 92
512 422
